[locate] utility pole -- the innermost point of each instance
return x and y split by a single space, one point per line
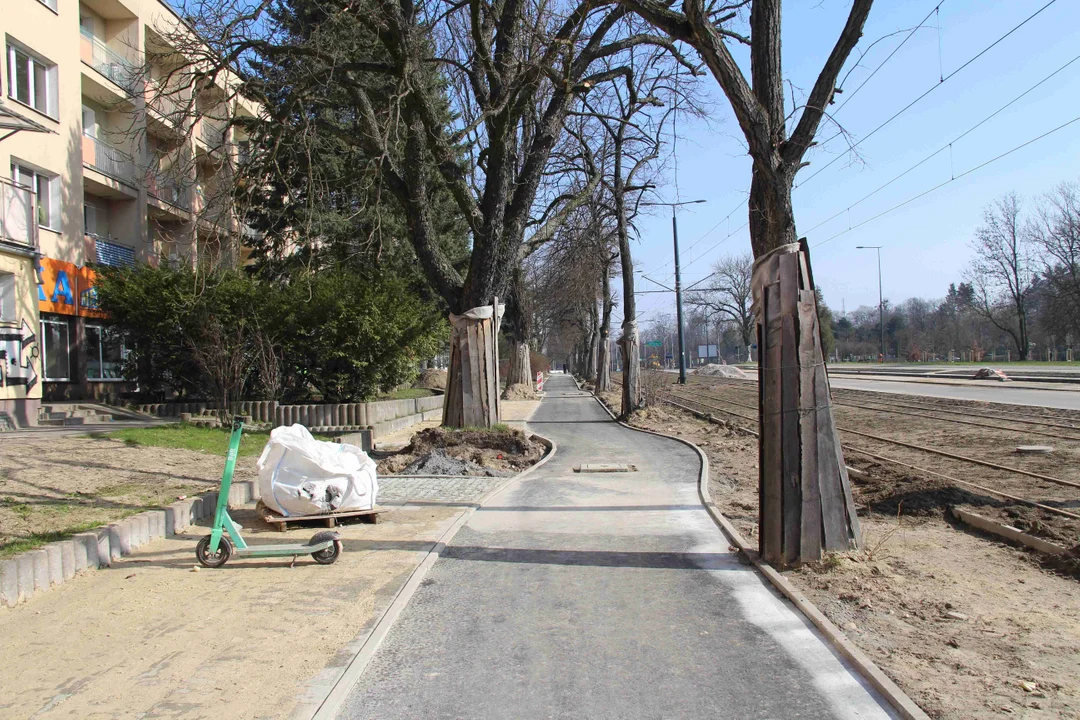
881 301
678 281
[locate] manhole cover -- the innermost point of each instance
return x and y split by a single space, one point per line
604 468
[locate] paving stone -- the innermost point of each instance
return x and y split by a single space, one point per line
464 490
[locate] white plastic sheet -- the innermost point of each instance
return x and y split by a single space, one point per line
299 475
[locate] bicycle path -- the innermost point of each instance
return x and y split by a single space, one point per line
575 595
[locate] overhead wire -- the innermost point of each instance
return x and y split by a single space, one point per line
951 180
934 87
948 146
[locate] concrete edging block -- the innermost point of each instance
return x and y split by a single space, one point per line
88 542
119 540
156 522
9 582
104 547
40 559
25 569
195 511
56 564
67 559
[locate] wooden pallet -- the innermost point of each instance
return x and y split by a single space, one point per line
330 520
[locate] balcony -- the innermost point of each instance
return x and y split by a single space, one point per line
168 188
108 63
212 135
17 213
108 160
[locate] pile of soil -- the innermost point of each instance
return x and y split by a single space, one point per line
484 453
520 391
727 371
432 380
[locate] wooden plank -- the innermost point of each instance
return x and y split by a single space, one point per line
791 487
495 343
759 329
811 538
491 390
772 430
833 513
271 517
467 363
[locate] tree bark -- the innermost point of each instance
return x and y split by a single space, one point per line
518 331
603 380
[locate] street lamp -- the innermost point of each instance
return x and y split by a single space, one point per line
881 302
678 281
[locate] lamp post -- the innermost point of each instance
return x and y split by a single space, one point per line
881 302
678 281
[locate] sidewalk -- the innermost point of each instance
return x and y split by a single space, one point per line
609 595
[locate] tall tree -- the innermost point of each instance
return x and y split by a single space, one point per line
806 504
1002 272
728 293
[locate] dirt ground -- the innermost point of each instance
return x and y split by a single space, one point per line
152 637
56 484
505 451
968 626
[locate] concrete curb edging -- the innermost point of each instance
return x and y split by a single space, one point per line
58 562
881 682
371 639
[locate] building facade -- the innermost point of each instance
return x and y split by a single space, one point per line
135 166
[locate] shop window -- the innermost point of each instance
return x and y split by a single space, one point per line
104 354
32 80
7 297
56 350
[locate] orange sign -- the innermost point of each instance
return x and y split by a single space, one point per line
67 289
56 293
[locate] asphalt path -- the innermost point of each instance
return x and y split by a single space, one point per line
576 595
1067 399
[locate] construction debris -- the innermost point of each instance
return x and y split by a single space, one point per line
727 371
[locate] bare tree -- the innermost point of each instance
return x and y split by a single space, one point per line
729 294
806 504
1003 270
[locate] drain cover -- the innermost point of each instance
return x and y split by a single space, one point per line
604 468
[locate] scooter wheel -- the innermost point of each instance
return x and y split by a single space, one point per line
329 555
213 560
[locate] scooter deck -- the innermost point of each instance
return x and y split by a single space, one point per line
281 550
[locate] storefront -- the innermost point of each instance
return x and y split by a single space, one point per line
81 357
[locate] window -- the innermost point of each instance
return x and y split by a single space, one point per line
56 350
104 354
51 4
32 81
7 297
47 188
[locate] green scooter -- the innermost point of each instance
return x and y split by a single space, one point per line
215 549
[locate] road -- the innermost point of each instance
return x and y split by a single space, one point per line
1068 399
575 595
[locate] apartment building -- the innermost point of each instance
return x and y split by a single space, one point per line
132 166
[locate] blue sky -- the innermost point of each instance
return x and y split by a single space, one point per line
925 242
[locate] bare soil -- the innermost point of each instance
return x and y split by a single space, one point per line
520 391
51 484
431 379
968 626
504 450
152 636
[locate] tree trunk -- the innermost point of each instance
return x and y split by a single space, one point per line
520 364
805 496
472 383
518 331
603 379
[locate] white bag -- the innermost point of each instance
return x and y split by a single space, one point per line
299 475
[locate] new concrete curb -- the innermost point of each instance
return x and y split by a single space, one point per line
881 682
31 573
369 640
